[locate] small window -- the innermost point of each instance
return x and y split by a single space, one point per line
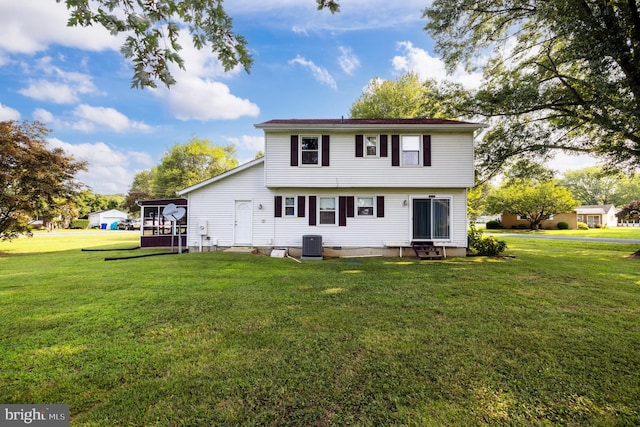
289 206
371 146
327 210
365 206
309 146
411 150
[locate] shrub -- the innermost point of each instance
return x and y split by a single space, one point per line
582 226
493 225
485 246
80 224
563 225
523 226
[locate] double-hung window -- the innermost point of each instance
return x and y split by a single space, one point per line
371 146
328 210
410 150
365 206
289 206
309 147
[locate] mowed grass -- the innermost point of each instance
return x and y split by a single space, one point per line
550 337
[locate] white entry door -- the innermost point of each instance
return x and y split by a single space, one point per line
243 230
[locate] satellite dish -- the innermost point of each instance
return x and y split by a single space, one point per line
170 209
174 214
179 213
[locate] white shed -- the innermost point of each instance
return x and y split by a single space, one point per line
108 217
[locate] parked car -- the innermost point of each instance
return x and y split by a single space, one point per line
129 224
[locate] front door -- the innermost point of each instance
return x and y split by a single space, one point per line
243 229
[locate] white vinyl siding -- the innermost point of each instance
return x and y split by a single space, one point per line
451 165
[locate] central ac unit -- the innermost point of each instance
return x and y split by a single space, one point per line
312 248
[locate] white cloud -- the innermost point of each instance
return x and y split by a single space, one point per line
109 171
200 99
42 115
299 30
108 117
30 26
61 87
248 142
42 90
348 61
419 61
319 73
8 113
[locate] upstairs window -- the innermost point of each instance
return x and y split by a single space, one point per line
309 146
410 150
371 146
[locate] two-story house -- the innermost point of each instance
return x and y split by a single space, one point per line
364 186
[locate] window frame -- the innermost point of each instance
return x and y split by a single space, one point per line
320 211
373 207
294 206
403 151
376 145
318 151
432 224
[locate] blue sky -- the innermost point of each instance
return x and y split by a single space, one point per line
307 64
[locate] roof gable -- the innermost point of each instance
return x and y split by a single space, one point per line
222 176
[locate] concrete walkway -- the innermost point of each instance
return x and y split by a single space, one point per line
578 238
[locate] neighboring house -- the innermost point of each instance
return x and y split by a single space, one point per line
158 231
516 221
104 219
362 186
597 215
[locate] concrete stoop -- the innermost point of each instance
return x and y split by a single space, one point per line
241 250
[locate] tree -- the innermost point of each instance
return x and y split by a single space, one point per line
534 201
190 163
34 180
630 212
408 97
592 185
562 75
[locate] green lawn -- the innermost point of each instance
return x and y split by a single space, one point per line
549 337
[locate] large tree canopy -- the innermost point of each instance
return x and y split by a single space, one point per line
187 164
534 201
408 97
34 180
562 74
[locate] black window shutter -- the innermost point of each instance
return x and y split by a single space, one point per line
312 210
395 150
301 207
359 146
384 146
278 209
426 150
342 211
380 206
294 150
350 204
325 150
